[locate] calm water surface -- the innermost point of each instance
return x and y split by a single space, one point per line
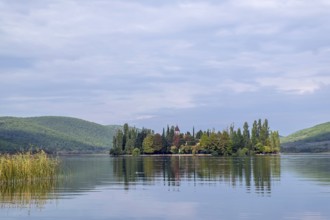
101 187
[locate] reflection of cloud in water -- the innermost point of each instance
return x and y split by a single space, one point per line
307 216
167 209
129 205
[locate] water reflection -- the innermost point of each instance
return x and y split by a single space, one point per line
102 187
250 172
314 167
22 195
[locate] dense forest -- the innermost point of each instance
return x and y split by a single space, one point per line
259 140
310 140
54 135
62 135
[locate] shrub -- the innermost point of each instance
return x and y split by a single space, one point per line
267 149
174 150
259 148
136 152
242 152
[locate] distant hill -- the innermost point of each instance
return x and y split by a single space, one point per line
55 134
314 139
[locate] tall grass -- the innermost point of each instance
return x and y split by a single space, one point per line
26 179
27 168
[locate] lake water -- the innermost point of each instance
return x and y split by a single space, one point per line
102 187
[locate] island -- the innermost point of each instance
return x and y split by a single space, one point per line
230 141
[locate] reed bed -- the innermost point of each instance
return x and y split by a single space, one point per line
27 168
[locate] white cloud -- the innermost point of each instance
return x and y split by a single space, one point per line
297 85
132 59
238 87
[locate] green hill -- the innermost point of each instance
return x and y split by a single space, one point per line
314 139
54 134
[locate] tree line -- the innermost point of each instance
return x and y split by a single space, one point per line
257 140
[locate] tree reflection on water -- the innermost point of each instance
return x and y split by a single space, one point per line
253 172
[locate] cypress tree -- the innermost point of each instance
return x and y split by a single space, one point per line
246 136
254 134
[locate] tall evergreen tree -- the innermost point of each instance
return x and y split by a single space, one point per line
246 137
157 143
117 143
170 136
130 140
167 131
126 129
259 129
140 137
240 139
264 133
254 134
234 139
199 134
274 142
164 143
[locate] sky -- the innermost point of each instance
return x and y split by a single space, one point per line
204 64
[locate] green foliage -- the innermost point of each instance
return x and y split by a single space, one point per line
140 137
128 138
319 132
243 152
274 142
54 135
232 142
254 134
314 139
259 148
136 152
118 143
148 144
204 141
189 139
199 134
174 150
169 135
225 147
246 137
157 143
115 151
263 132
267 150
187 149
236 139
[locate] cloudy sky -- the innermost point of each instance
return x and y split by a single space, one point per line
150 63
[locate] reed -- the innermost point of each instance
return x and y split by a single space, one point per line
27 168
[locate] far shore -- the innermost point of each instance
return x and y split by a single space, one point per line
165 155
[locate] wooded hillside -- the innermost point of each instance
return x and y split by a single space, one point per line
54 134
314 139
